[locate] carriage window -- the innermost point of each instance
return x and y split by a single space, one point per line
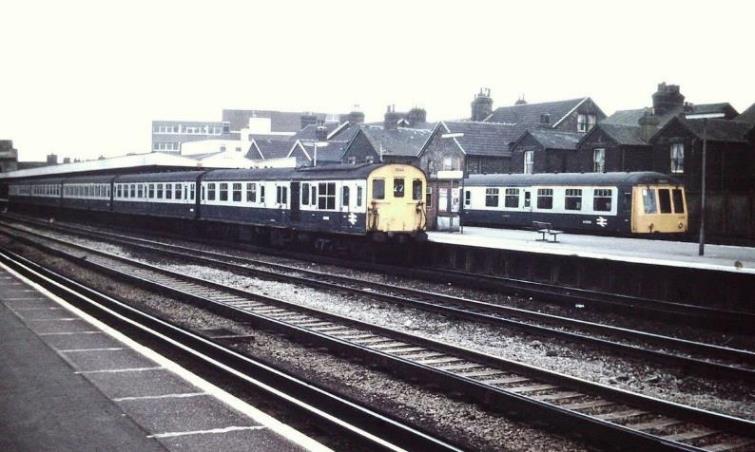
151 191
512 198
140 190
378 188
179 189
133 191
236 192
467 197
491 197
191 192
544 198
211 192
527 199
678 201
416 190
262 194
314 195
648 200
359 196
281 195
168 191
601 200
305 194
345 196
573 200
119 191
159 191
326 199
251 192
223 191
664 200
398 187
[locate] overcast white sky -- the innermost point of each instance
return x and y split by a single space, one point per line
83 79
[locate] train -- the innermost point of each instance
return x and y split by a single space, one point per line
377 202
630 203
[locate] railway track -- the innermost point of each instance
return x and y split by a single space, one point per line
690 356
604 415
334 414
691 314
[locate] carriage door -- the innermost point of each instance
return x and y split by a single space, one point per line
295 199
527 200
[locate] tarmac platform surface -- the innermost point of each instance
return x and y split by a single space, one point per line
66 384
735 259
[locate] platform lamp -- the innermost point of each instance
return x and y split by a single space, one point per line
701 250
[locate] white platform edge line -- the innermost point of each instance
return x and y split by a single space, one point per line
234 402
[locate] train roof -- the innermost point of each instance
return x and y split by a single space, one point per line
102 179
304 173
175 176
634 178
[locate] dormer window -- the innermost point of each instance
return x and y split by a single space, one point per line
586 122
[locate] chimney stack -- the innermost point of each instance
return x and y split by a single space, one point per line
667 98
391 118
416 116
356 117
648 124
482 105
52 159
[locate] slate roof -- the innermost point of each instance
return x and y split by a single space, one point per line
271 149
632 117
280 121
556 139
724 108
623 135
722 130
748 115
529 114
484 138
406 142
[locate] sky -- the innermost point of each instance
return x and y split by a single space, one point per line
86 78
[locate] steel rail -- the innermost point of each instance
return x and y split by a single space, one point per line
466 309
332 412
624 419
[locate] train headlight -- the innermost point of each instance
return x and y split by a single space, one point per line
681 225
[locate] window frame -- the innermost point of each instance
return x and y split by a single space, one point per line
492 196
543 194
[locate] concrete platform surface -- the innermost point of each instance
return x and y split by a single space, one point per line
69 383
735 259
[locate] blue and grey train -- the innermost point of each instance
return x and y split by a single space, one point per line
378 201
611 203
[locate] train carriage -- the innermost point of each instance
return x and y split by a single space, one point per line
355 200
164 195
87 193
622 203
40 192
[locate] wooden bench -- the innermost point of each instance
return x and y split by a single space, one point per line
546 229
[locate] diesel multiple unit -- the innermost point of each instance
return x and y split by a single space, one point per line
621 203
382 201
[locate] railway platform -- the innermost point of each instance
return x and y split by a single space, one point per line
68 382
736 259
658 269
